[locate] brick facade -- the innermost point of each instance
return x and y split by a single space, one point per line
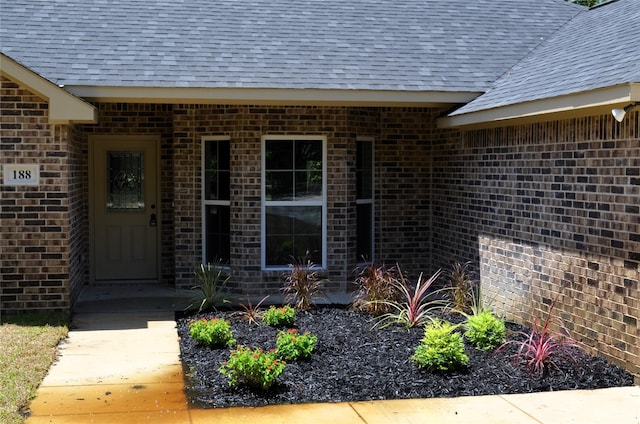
549 210
542 210
41 227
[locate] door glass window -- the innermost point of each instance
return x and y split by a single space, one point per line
125 177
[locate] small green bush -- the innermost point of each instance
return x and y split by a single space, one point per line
212 332
279 317
291 345
485 331
255 369
441 349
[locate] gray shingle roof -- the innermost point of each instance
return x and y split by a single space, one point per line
430 45
598 48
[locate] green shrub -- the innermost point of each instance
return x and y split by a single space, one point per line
279 317
441 349
291 345
255 369
212 332
485 331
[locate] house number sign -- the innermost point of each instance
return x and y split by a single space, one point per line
21 174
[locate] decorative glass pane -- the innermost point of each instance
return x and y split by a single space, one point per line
125 180
291 232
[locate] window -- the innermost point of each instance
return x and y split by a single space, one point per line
215 199
364 199
294 194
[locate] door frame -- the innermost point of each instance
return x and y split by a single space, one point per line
156 140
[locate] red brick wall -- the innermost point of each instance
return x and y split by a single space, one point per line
35 220
549 210
402 173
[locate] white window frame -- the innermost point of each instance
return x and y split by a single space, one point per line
265 203
370 201
206 202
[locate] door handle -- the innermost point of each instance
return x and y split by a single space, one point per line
153 222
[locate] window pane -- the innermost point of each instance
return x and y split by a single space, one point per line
364 169
364 243
217 241
308 154
279 185
308 185
291 231
279 154
216 170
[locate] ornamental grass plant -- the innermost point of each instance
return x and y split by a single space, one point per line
416 305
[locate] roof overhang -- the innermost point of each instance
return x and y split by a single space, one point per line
562 107
271 96
63 107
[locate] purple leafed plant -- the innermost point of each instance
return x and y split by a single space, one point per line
541 347
416 307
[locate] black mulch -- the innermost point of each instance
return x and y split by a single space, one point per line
353 363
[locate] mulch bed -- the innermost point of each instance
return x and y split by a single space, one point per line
353 363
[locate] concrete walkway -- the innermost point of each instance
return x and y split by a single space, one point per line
119 366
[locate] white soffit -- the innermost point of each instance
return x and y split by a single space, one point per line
574 105
63 106
268 96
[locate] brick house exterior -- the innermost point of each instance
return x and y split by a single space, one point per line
544 204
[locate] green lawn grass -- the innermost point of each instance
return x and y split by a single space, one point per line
28 346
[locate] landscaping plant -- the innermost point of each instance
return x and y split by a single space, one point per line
376 286
441 348
302 284
212 332
255 369
250 312
279 317
541 347
485 331
212 280
461 284
291 345
415 307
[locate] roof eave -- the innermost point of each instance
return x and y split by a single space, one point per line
271 96
556 108
64 107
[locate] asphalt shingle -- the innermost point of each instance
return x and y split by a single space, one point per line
447 45
597 49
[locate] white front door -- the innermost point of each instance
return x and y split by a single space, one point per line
124 200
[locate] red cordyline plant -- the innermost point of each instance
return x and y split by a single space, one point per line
541 347
251 312
376 286
416 306
302 284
